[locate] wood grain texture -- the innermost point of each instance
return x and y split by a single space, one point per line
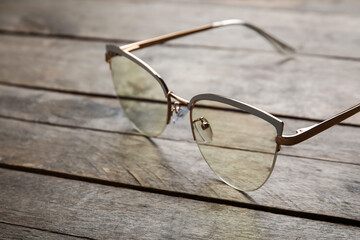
339 143
103 212
341 7
310 32
63 120
296 183
306 87
10 231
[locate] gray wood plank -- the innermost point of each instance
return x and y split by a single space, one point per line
306 87
310 32
96 211
339 143
10 231
297 183
300 184
342 7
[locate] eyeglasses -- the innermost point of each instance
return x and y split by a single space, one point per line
238 141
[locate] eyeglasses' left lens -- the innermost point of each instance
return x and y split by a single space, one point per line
238 146
141 96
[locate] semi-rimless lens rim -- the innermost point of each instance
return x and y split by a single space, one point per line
245 108
113 50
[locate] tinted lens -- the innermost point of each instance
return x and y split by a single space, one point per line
141 96
239 147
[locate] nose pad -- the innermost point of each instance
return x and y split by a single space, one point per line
202 130
179 111
180 115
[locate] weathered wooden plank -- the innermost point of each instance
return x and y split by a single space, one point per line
96 211
310 32
297 183
304 87
339 143
342 7
10 231
339 195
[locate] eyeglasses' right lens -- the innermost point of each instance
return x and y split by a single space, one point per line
238 146
141 96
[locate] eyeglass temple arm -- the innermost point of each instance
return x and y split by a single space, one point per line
280 46
308 132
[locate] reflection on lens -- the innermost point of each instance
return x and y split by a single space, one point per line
141 96
242 149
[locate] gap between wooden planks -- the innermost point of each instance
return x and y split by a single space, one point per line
297 183
94 211
16 231
303 88
338 144
311 32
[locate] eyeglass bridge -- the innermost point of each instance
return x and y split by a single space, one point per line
179 107
175 107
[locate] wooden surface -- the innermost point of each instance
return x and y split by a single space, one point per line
73 167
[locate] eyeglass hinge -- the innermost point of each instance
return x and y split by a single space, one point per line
109 55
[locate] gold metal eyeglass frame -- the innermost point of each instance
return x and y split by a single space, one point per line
283 48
